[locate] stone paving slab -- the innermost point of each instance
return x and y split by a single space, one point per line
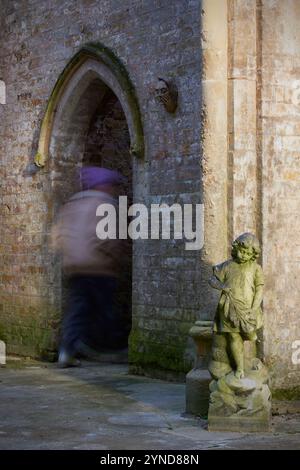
101 406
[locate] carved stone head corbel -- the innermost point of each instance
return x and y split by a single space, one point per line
167 94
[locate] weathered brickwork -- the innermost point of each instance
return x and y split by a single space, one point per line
108 141
153 38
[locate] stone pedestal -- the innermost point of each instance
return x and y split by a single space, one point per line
198 379
242 405
197 392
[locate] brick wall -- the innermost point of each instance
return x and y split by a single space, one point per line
153 38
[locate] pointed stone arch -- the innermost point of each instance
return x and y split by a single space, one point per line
93 60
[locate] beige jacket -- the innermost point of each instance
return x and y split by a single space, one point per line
74 236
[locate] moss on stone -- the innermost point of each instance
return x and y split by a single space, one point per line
32 335
158 351
3 334
292 393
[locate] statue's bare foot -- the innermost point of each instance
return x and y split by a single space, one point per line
239 373
257 364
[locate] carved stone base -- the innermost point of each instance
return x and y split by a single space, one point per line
242 405
232 424
238 404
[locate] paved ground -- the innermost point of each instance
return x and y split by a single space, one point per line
100 406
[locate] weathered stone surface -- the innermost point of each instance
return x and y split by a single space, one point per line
251 140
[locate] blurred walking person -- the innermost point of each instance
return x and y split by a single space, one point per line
92 266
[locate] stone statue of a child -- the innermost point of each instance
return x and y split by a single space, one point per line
240 281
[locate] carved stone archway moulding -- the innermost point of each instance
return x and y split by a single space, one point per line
92 61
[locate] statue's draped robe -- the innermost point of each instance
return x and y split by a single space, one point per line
234 312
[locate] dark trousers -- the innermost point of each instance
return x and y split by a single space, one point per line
92 315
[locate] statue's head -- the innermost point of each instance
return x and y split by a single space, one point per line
245 248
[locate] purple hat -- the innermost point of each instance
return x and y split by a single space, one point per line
91 176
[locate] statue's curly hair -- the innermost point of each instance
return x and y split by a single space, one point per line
247 240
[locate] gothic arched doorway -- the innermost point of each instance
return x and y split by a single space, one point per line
92 118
